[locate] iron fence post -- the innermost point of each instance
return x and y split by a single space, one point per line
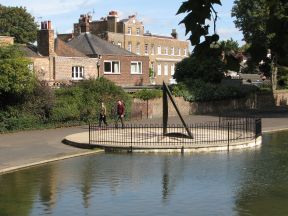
89 134
131 137
228 135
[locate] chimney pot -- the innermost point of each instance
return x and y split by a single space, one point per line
49 24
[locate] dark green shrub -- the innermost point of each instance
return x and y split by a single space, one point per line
200 91
146 94
283 77
82 101
210 69
15 119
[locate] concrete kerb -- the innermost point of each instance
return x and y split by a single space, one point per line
29 165
81 140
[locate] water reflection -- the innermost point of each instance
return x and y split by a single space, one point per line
250 182
264 187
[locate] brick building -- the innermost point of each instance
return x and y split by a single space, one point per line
163 51
86 56
116 63
6 40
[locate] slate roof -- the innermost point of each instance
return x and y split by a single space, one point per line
61 49
29 50
64 49
90 44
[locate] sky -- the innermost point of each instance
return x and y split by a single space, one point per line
159 17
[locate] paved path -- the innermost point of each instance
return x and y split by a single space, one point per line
27 148
31 147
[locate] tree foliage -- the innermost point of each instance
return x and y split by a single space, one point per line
229 45
16 78
146 94
264 24
205 61
82 102
18 23
195 22
208 69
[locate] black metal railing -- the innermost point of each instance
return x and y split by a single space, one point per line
227 131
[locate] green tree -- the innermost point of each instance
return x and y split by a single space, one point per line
18 23
231 55
208 69
195 22
264 24
229 45
16 78
205 61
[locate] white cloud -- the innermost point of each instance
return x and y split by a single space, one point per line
52 7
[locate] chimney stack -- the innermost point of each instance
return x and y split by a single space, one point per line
174 34
84 22
45 39
112 20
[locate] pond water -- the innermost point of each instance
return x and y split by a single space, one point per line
247 182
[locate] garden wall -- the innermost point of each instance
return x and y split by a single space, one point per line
261 102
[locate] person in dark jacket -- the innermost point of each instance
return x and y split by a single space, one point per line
120 112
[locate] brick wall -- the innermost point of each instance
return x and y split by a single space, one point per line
125 78
154 59
155 108
6 40
59 69
63 67
45 40
281 97
261 102
42 68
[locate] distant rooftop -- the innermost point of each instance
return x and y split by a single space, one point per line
90 44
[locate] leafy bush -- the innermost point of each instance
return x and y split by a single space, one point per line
283 78
16 79
15 119
82 102
201 91
210 69
146 94
79 103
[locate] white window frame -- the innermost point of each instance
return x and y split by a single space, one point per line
129 48
139 66
129 30
172 69
166 70
111 64
165 50
179 52
159 67
172 51
152 49
31 67
77 73
138 49
185 52
138 31
159 50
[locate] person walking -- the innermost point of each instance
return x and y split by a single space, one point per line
102 116
120 113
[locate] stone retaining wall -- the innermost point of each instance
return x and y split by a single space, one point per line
261 102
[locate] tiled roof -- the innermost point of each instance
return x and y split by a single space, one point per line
92 45
29 50
64 49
